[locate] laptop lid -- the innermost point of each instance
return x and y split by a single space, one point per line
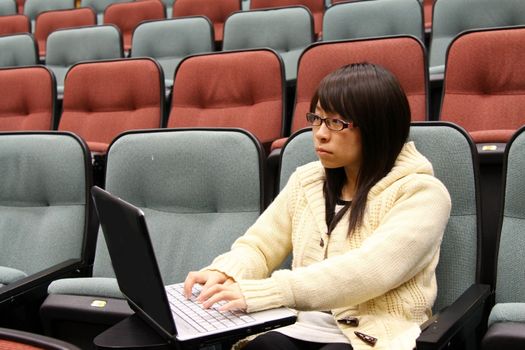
133 259
135 265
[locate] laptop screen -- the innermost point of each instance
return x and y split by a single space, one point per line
133 258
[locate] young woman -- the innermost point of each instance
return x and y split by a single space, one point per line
364 225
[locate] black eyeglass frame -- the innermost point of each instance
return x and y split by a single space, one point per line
329 122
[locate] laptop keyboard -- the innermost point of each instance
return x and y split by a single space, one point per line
203 320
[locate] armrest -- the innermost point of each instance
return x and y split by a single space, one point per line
465 313
41 278
505 335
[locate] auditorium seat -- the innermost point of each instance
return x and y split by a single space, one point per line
18 50
49 21
127 16
216 11
14 24
47 227
170 40
459 307
33 7
105 98
316 7
404 56
506 324
99 6
287 30
484 84
27 98
366 19
241 89
8 7
65 47
197 198
452 17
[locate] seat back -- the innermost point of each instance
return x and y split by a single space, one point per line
404 56
510 288
452 155
99 6
316 7
7 7
33 7
14 24
49 21
20 340
170 40
223 89
287 30
45 207
27 98
364 19
105 98
65 47
451 17
127 16
199 190
216 11
486 98
18 50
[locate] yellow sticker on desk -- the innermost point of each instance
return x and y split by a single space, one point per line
98 303
489 148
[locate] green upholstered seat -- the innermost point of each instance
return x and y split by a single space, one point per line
199 189
507 318
7 7
365 19
45 215
65 47
287 30
450 151
169 41
451 17
99 6
18 50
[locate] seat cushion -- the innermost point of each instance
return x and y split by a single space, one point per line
92 286
507 312
9 275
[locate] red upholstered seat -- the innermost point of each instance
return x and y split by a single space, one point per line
315 6
404 56
27 98
230 89
216 11
49 21
127 16
105 98
14 24
484 86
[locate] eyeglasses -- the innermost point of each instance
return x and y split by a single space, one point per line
331 123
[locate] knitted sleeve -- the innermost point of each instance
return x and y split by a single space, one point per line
404 243
265 244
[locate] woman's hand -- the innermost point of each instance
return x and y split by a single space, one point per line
207 278
216 286
229 291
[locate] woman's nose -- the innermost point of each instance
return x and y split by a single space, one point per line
322 132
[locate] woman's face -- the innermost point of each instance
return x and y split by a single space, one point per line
337 149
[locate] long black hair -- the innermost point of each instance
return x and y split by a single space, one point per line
373 99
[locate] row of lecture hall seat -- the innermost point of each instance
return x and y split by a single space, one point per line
289 31
341 21
246 89
217 11
192 182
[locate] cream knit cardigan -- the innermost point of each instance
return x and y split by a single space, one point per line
384 273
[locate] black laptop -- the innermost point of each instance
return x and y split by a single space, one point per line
164 307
